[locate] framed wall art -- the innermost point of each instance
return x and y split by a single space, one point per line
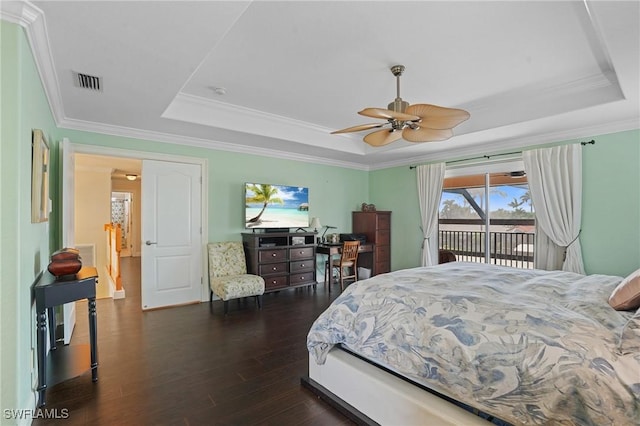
39 177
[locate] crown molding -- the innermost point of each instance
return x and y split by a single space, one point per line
204 111
32 19
548 92
22 13
497 146
212 144
604 86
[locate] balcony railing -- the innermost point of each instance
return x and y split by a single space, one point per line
507 248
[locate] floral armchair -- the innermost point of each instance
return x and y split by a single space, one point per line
228 277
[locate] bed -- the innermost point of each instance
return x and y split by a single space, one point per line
460 343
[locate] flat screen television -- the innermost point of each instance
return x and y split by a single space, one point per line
270 206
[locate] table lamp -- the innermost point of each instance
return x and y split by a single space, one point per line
315 224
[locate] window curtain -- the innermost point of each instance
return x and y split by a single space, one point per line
555 182
430 178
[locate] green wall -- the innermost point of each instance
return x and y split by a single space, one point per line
396 189
611 204
330 198
24 247
610 208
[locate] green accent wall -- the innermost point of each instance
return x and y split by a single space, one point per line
610 205
24 246
396 189
333 191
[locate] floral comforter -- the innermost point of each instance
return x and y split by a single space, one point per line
526 346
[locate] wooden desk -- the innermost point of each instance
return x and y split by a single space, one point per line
366 261
50 292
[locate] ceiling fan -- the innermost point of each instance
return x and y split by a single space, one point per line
413 123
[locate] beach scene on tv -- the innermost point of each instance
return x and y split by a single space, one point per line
276 206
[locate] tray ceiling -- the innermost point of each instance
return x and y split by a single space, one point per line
528 72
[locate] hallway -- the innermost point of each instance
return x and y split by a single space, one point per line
190 365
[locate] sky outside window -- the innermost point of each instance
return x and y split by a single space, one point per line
507 198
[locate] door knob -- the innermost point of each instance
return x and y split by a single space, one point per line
149 242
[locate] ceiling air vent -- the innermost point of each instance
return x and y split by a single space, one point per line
86 81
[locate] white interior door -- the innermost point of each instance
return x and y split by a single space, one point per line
171 234
68 216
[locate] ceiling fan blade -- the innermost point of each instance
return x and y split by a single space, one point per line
359 128
437 117
387 114
382 137
423 134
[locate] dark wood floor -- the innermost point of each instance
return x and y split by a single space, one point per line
192 366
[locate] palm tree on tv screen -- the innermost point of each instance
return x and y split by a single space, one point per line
264 194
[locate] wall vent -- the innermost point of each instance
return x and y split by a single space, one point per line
86 81
87 254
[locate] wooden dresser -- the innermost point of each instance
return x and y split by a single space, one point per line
377 227
283 259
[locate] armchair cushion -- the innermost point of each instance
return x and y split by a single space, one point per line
236 286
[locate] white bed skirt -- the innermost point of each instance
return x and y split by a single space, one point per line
383 397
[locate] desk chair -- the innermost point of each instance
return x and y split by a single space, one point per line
348 260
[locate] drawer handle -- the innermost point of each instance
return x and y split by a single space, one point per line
301 278
275 268
302 265
301 252
273 255
274 282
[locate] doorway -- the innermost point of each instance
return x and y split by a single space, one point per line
122 214
69 151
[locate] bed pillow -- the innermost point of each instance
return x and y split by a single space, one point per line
626 295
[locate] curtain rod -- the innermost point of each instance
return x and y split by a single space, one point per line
591 142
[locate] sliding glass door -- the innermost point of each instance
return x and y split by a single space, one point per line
488 218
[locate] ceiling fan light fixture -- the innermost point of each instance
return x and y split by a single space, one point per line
417 123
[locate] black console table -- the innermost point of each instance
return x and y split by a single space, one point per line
51 292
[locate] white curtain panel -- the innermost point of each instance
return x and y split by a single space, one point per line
430 178
555 182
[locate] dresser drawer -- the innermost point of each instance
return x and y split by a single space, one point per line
272 268
272 283
383 236
302 266
383 267
383 253
301 278
275 255
301 253
384 221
